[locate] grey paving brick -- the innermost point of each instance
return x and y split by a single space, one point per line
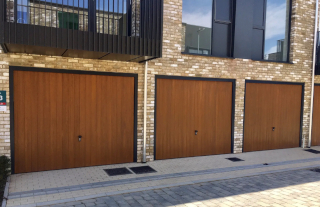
89 204
257 190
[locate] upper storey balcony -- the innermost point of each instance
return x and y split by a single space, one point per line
125 30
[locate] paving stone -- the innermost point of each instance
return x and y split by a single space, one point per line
276 190
89 204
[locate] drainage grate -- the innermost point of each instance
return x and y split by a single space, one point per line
142 170
312 151
117 171
234 159
315 170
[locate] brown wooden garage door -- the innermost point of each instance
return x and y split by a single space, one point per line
272 116
52 109
186 106
316 117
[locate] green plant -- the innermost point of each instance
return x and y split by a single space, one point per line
4 170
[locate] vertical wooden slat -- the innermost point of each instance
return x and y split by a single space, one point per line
82 157
52 122
99 126
31 98
41 108
68 110
78 154
19 123
91 121
316 117
59 123
106 146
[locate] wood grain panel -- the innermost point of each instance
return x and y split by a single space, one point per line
259 111
213 116
287 117
175 118
316 117
107 118
271 106
184 106
52 109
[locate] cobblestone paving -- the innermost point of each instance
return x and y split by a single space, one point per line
294 188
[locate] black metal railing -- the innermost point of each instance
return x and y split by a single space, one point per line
101 16
92 25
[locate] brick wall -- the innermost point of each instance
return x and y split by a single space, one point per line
174 63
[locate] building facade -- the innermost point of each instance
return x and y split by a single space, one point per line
189 95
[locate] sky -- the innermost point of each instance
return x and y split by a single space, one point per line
201 13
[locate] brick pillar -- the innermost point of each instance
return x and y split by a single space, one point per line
4 115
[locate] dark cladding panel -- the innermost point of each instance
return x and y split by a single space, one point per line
257 44
2 9
222 28
222 10
243 29
1 33
258 30
259 13
221 40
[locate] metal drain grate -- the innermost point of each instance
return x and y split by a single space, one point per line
234 159
312 151
316 170
117 171
142 170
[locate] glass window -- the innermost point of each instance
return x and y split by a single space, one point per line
23 11
277 30
68 20
197 26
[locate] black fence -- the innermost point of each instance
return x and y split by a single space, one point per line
93 21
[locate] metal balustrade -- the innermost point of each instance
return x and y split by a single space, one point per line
132 27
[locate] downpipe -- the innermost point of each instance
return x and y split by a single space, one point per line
313 71
144 159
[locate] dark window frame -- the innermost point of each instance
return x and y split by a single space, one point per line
254 27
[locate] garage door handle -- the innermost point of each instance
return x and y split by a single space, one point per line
273 128
196 132
79 137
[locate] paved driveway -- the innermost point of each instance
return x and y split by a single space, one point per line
73 185
293 188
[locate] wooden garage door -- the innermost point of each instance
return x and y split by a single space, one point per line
52 109
316 117
272 116
186 106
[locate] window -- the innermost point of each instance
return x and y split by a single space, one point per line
23 11
277 30
197 26
250 29
68 20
